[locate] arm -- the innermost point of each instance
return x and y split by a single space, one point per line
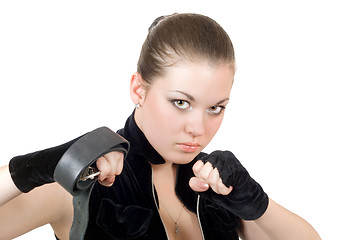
8 188
236 191
50 203
46 204
42 204
38 168
278 223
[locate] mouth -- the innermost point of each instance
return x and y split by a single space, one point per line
189 147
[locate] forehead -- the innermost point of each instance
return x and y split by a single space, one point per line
203 81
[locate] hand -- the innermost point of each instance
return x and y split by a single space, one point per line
206 175
110 165
233 188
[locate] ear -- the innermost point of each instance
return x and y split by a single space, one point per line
137 89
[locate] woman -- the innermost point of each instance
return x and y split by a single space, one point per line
166 188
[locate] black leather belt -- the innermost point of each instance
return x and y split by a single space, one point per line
75 173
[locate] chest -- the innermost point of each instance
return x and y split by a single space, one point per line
131 209
179 222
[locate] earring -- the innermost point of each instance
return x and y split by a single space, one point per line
137 106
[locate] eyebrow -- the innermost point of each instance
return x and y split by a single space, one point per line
193 99
186 94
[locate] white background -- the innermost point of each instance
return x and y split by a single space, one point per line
294 115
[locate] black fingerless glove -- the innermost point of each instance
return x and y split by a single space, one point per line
35 169
247 200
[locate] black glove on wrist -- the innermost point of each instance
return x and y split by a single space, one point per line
35 169
247 200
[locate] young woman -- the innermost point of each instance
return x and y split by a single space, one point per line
166 188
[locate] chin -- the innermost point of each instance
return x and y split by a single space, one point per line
182 158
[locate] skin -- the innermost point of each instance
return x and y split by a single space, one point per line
186 115
180 104
175 112
193 123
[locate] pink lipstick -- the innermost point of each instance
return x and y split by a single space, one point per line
189 147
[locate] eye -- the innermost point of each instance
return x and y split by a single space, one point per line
215 109
182 104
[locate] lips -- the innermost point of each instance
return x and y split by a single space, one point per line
189 147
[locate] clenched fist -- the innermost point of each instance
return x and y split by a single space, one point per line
220 178
110 165
207 176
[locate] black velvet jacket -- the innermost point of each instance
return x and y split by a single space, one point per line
128 209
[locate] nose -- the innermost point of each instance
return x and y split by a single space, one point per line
195 124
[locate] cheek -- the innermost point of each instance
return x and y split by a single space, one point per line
212 126
169 123
163 118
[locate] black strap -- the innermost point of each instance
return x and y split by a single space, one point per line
77 160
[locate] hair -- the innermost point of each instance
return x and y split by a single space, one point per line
183 37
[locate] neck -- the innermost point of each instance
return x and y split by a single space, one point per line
136 118
167 167
164 175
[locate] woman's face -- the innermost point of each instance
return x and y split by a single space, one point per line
183 109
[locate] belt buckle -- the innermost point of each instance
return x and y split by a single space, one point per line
89 173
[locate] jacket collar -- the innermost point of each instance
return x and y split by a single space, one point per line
139 145
141 151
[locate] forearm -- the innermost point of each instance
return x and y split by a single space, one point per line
279 223
7 186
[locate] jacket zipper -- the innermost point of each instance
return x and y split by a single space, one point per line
197 206
157 206
198 216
